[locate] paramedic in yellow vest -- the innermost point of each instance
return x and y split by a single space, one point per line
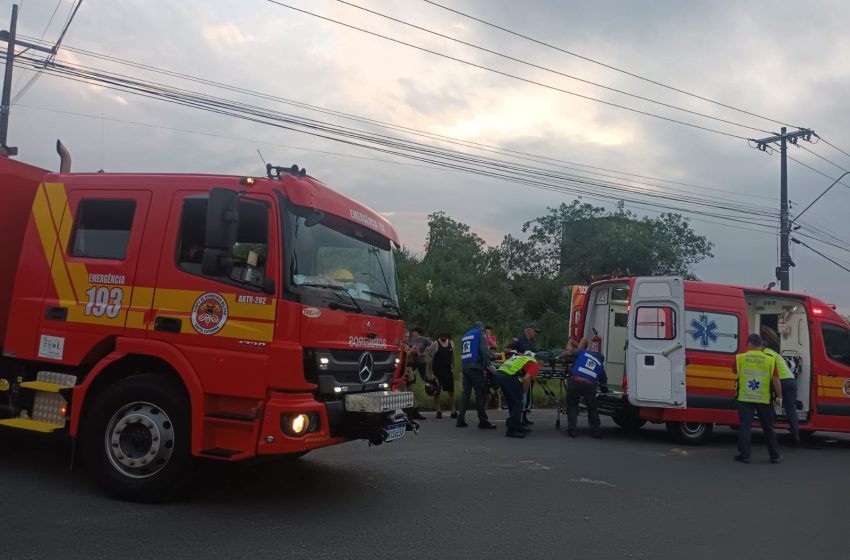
515 377
789 394
757 372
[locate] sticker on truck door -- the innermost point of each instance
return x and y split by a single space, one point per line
209 314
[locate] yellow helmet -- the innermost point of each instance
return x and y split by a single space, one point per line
343 275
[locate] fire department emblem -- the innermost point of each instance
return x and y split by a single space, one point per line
209 313
846 387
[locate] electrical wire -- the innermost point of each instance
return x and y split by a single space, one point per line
537 158
608 66
827 257
830 144
508 74
756 213
31 82
550 70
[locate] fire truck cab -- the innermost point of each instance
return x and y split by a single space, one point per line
670 347
157 318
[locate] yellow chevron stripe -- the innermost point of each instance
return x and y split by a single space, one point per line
58 201
47 234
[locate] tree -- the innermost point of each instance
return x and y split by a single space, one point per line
579 241
459 279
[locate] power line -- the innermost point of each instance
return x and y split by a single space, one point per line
339 154
817 155
822 139
502 172
547 69
610 67
134 85
830 259
537 158
31 82
509 75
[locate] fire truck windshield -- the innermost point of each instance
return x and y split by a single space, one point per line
331 254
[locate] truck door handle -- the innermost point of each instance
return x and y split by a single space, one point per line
167 324
54 313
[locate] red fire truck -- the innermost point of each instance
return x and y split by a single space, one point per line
670 345
157 318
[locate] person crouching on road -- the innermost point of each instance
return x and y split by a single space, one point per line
587 374
475 360
515 377
757 372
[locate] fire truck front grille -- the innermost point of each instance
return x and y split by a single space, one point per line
341 371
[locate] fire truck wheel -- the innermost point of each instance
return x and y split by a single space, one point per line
690 433
137 437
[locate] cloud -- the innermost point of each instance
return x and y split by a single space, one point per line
225 34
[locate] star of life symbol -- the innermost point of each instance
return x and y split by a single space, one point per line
704 331
753 384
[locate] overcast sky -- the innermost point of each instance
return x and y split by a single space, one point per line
783 59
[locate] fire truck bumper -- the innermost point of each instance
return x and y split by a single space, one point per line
377 417
294 423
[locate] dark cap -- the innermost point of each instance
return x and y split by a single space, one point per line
532 326
755 340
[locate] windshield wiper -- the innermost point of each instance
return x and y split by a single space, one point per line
388 302
336 290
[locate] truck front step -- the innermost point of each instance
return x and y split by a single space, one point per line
32 425
43 386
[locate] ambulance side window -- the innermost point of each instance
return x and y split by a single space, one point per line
655 323
836 341
102 229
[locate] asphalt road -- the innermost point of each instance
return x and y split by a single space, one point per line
449 493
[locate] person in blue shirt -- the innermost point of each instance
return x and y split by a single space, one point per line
475 361
588 373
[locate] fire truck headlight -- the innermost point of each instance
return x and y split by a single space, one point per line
323 363
384 386
397 361
298 424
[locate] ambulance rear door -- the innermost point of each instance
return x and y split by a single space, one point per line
655 356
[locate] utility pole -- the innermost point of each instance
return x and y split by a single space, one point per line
10 37
783 271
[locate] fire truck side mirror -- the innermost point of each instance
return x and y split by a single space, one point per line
222 219
222 225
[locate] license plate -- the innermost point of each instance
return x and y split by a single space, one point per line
396 431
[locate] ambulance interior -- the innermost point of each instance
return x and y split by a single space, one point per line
608 315
784 326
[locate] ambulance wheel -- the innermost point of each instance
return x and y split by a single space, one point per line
628 422
689 433
136 438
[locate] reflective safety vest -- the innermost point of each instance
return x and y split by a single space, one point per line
469 346
514 365
588 366
755 369
781 364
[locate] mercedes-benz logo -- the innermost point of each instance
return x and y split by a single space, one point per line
367 364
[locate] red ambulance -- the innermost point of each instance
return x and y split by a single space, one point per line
670 346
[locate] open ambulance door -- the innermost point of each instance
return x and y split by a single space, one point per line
655 356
